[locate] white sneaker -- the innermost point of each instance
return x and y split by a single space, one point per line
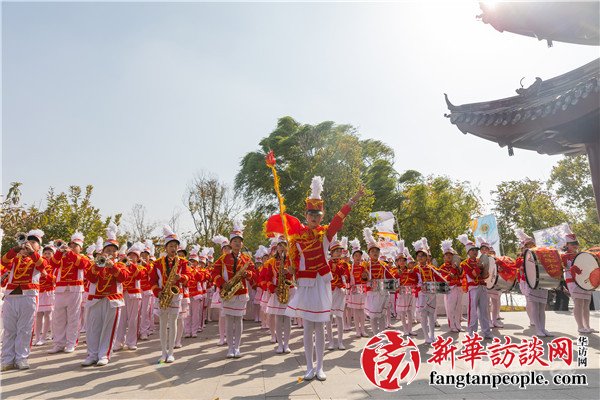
321 375
279 350
237 353
102 362
144 337
132 347
221 342
310 375
69 349
230 354
287 350
194 336
89 361
548 334
55 350
23 364
273 339
178 346
118 347
39 343
330 346
170 359
341 346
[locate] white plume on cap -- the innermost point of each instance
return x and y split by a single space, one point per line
210 252
168 231
99 243
425 244
274 240
316 187
182 245
463 238
522 236
195 249
136 248
77 237
38 233
261 251
205 252
368 235
111 231
220 240
90 249
355 244
149 246
446 246
400 246
123 249
421 245
407 254
344 243
238 225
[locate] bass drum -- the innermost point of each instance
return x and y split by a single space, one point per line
543 267
585 270
496 281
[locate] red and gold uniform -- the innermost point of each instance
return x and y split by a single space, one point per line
161 268
340 272
223 271
20 303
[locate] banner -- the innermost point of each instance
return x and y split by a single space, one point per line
487 227
384 224
551 237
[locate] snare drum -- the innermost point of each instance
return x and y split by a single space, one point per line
390 285
543 267
585 270
498 281
436 287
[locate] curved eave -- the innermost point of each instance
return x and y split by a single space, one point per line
570 22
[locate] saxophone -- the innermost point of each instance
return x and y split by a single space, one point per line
170 289
283 285
231 287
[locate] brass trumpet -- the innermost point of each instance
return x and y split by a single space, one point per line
101 261
21 238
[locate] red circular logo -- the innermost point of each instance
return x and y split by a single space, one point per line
388 359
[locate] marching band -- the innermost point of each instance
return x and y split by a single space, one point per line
306 278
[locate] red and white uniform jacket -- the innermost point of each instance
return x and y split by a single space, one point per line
132 286
48 283
451 273
24 272
223 270
161 270
70 269
145 283
356 271
472 272
308 247
107 283
340 271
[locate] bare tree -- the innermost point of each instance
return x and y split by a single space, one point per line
140 228
212 206
174 219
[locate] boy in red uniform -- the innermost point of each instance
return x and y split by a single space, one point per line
127 332
25 267
407 285
70 267
147 304
478 296
426 301
104 303
46 300
452 299
356 301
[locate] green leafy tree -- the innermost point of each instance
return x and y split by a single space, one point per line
303 151
437 208
525 204
571 179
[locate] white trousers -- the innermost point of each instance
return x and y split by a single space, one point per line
192 320
478 310
453 304
167 319
127 332
102 322
146 316
66 318
18 314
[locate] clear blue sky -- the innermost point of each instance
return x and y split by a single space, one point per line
136 98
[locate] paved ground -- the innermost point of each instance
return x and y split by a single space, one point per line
202 372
